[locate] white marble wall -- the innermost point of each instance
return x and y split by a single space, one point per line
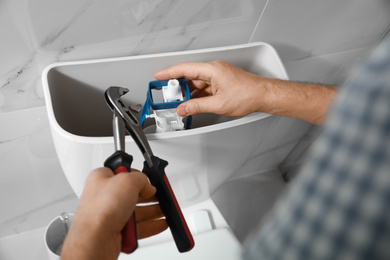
38 32
322 40
318 41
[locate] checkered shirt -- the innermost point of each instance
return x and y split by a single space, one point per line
339 205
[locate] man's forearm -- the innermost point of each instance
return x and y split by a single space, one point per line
305 101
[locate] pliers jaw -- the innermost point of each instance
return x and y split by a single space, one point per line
119 131
131 122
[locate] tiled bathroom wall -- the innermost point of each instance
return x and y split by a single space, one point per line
318 41
321 41
39 32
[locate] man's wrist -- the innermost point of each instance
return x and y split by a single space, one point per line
89 238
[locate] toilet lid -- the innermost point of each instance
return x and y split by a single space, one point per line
216 244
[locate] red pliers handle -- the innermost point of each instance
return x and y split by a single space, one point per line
121 162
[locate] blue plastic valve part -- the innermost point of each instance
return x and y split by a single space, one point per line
149 103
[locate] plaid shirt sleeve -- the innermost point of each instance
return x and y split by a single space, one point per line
339 206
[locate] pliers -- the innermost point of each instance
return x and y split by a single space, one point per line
154 167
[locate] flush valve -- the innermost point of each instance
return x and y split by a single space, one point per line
175 92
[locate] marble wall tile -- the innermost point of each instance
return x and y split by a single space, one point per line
46 31
19 77
155 25
305 28
31 178
332 69
322 41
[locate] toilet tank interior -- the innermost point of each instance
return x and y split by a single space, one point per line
77 90
81 109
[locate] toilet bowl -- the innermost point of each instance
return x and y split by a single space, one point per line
200 159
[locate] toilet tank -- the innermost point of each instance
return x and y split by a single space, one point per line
200 159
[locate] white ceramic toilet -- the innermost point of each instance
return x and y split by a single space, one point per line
200 159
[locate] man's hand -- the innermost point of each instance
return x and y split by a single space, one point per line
218 87
221 88
105 206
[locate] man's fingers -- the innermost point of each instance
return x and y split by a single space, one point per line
150 220
149 212
149 228
140 182
198 85
188 70
147 200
